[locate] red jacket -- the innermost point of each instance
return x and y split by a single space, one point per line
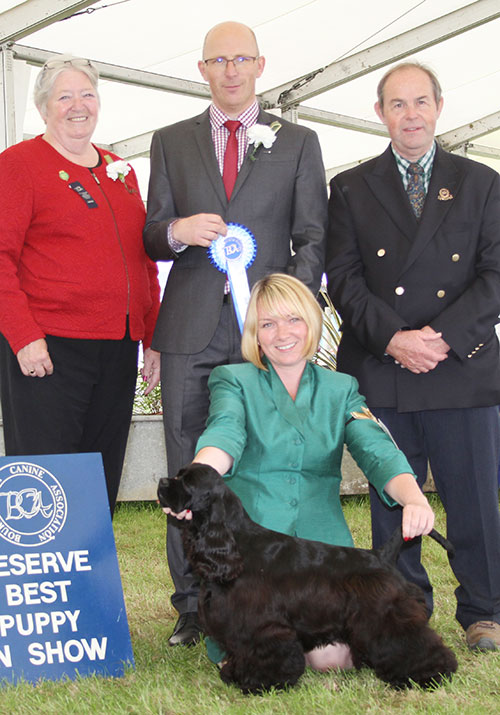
66 268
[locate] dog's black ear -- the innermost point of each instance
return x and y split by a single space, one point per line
213 551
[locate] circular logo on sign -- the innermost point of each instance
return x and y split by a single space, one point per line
33 505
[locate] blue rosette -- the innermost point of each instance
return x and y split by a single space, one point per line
233 254
238 244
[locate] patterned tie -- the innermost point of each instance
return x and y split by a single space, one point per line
415 188
230 171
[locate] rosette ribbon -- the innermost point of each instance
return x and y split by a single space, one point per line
233 254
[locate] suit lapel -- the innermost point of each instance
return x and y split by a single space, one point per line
447 177
386 184
248 163
203 135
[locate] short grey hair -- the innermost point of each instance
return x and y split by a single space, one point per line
436 87
51 70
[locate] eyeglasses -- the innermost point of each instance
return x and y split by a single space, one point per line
58 64
220 63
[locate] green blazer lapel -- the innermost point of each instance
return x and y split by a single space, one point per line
443 190
307 390
203 135
283 402
386 184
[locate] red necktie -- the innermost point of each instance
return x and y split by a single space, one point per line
230 171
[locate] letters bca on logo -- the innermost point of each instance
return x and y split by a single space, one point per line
232 247
33 505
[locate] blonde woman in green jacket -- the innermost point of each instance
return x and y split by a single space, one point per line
277 428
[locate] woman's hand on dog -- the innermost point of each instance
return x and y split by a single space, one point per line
186 514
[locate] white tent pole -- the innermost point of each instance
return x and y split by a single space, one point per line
7 100
382 54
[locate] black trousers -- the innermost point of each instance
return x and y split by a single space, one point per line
186 400
462 447
84 406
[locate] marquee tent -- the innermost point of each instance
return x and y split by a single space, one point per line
324 59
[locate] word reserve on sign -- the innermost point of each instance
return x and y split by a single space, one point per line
62 611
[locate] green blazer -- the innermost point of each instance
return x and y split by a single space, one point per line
287 454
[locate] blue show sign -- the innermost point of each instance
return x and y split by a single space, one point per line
62 611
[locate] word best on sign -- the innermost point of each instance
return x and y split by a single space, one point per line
62 611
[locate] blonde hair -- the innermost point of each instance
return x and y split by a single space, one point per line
50 72
281 295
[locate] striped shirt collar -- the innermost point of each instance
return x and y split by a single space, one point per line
248 118
220 133
426 162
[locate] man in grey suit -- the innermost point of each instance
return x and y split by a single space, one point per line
413 264
279 195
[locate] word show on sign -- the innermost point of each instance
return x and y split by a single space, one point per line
72 651
62 612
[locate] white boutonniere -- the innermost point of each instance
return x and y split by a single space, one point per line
118 169
262 135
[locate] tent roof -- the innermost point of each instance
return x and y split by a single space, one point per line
297 37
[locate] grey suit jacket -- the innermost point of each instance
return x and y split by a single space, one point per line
387 272
280 196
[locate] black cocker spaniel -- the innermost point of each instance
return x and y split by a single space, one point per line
267 598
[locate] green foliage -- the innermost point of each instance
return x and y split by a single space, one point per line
176 681
146 404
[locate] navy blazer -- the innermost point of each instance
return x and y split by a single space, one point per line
387 271
280 196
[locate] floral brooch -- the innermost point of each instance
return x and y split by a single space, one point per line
118 169
262 135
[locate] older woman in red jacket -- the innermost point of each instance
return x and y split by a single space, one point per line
77 291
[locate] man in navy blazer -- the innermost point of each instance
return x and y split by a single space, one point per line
413 265
279 195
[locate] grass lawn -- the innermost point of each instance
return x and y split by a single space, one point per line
181 680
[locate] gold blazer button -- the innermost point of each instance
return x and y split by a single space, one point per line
399 290
441 293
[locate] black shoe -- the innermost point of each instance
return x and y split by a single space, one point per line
187 630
